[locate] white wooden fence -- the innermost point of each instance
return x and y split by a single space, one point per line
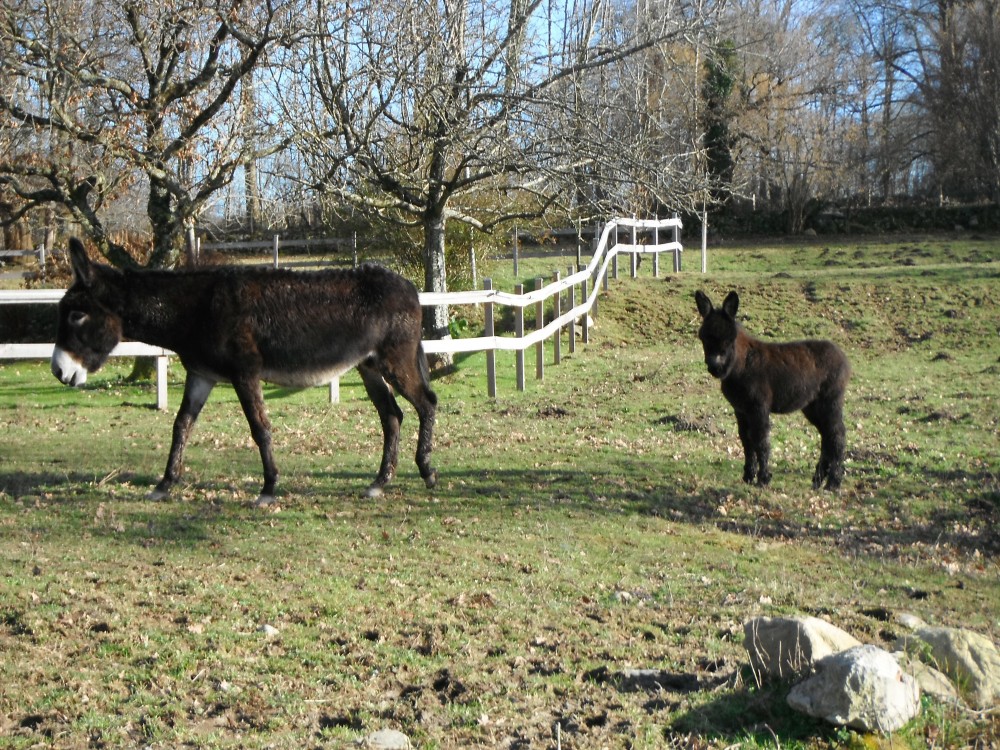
38 254
276 244
545 297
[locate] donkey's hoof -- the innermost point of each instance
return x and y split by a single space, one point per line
431 479
156 494
374 491
265 500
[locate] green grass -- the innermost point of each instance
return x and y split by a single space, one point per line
592 524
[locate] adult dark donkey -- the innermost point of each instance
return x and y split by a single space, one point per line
247 325
760 377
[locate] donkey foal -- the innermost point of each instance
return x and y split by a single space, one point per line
759 378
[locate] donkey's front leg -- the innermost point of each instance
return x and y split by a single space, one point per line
762 437
749 448
251 397
196 391
755 434
391 417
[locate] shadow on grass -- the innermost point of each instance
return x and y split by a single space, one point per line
69 502
599 490
757 717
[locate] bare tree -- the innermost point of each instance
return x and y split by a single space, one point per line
786 127
106 94
958 44
426 113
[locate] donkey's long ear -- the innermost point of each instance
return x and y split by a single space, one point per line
731 304
704 303
83 269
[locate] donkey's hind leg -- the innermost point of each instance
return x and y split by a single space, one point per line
196 393
248 390
829 421
390 416
408 373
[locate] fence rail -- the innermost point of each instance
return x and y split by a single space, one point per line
276 244
38 254
589 279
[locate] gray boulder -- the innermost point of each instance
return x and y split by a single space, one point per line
787 646
931 681
971 660
385 739
862 688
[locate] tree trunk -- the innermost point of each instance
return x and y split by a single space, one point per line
435 280
163 218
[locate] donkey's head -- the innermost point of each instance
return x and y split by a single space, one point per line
718 332
88 329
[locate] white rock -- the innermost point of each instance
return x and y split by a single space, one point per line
969 659
269 630
385 739
862 688
910 621
931 681
786 646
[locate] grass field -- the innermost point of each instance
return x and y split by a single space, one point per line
592 524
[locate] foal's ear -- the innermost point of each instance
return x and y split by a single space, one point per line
704 303
83 269
731 304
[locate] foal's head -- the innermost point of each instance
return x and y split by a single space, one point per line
88 330
718 332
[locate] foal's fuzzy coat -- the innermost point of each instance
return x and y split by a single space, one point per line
759 378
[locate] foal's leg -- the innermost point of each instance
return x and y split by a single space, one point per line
838 447
758 430
391 417
814 413
196 391
248 389
829 421
749 447
764 450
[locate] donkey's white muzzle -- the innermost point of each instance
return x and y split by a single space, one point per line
67 369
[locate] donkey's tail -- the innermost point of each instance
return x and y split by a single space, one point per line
425 373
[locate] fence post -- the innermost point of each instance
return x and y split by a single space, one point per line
579 242
354 248
275 251
704 240
519 332
656 255
335 391
614 259
491 354
539 325
516 260
572 324
472 263
634 255
161 383
585 320
614 263
677 239
556 312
